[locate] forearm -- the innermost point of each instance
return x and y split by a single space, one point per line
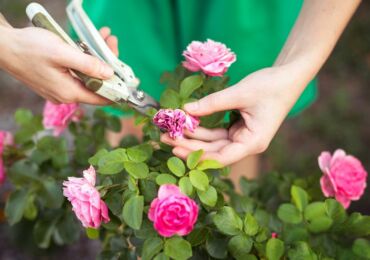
5 40
314 35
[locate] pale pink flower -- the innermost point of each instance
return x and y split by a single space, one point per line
175 121
6 139
57 117
213 58
172 212
344 177
85 199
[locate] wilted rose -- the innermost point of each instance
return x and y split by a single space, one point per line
213 58
57 117
344 177
85 199
172 212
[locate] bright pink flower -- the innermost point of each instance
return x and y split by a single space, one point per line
274 235
85 199
57 117
213 58
344 177
6 139
172 212
175 121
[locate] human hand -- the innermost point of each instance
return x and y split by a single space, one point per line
263 98
42 61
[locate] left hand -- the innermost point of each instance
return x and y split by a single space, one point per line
264 98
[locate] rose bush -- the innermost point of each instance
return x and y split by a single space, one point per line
142 201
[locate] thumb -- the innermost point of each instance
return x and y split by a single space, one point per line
226 99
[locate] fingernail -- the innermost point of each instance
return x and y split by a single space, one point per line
191 106
107 71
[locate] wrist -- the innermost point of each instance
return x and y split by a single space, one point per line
5 44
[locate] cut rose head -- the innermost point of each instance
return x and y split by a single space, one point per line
85 199
344 176
172 212
57 117
213 58
175 121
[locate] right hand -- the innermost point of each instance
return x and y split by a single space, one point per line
42 60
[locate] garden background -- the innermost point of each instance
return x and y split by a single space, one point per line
338 119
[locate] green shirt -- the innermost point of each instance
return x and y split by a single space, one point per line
153 33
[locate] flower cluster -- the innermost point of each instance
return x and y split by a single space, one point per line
85 199
175 121
6 139
57 117
344 176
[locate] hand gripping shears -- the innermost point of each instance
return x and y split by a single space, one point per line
123 86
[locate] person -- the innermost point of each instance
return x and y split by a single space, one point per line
265 89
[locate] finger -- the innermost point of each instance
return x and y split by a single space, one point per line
205 134
227 99
72 58
105 32
112 43
194 144
88 97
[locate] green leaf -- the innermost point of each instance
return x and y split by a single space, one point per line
288 213
199 180
112 162
299 197
209 164
165 179
239 246
170 99
92 233
301 250
314 210
94 160
197 236
193 159
177 248
295 234
24 172
361 247
320 224
335 211
189 85
227 221
51 193
185 186
55 149
140 153
216 247
23 116
133 211
151 247
274 249
43 231
137 170
250 225
114 123
161 256
16 205
30 211
208 197
176 166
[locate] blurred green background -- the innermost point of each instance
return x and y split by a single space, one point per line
340 118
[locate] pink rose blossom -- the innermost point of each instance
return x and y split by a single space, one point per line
172 212
6 139
57 117
175 121
344 177
85 199
274 235
213 58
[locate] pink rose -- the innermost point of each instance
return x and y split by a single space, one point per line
6 139
344 177
57 117
85 199
175 121
172 212
213 58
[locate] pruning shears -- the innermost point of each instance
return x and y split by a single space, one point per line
123 86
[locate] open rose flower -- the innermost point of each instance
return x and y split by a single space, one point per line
213 58
175 121
57 117
85 199
6 139
344 177
172 212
